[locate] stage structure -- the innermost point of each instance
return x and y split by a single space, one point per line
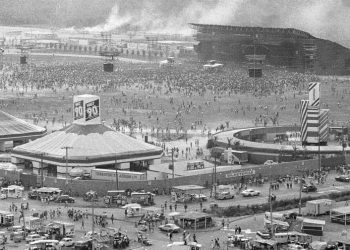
314 120
86 143
293 49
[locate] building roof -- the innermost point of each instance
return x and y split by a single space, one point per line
89 145
341 210
189 187
13 128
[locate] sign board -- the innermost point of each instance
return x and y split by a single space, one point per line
92 110
240 173
314 94
86 109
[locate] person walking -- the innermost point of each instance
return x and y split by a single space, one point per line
112 218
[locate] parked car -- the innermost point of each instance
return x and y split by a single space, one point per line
270 162
66 242
169 228
64 199
33 237
343 178
200 197
33 195
250 192
309 188
224 196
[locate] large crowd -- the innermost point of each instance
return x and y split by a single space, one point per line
178 85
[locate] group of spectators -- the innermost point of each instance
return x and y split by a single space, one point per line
120 90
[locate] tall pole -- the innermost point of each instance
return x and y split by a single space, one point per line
42 168
67 148
172 162
215 184
300 188
116 173
93 224
271 218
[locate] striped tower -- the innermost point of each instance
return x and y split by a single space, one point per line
323 119
312 124
314 94
304 104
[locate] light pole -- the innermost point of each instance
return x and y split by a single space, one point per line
172 161
66 148
42 168
116 172
271 218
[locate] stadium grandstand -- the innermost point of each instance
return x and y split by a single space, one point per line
290 48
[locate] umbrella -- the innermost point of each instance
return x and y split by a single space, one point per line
173 214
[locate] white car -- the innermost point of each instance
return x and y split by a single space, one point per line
66 242
33 237
224 196
169 228
200 197
270 162
250 192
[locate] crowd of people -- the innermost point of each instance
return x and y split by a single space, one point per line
133 90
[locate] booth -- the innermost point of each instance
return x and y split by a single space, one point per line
195 220
254 72
12 191
319 207
186 193
340 215
108 67
133 210
145 199
313 227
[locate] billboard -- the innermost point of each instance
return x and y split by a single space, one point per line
86 109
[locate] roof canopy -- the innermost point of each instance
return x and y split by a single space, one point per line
89 145
13 128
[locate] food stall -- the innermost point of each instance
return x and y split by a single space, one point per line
186 193
340 215
133 210
115 198
195 220
145 199
313 227
12 191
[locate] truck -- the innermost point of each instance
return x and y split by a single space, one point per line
61 229
115 198
6 219
319 207
32 223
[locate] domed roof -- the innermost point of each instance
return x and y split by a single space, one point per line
13 128
88 144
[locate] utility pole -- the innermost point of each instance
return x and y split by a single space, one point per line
116 173
93 224
66 148
172 161
215 184
271 217
42 168
300 188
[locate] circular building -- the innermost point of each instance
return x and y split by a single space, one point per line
86 144
18 131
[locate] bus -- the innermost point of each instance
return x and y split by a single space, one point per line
45 192
44 245
194 165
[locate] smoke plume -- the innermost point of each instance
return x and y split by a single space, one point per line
322 18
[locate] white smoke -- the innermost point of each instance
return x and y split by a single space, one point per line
322 18
114 21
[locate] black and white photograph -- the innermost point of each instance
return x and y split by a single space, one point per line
174 124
